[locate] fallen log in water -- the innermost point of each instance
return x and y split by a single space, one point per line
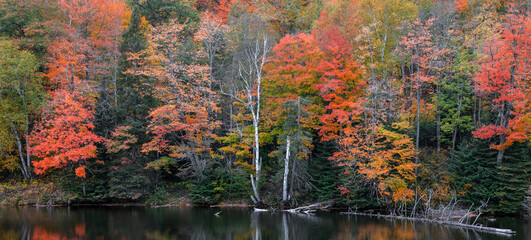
261 210
502 231
304 209
311 208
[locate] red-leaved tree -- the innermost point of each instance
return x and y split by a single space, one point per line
504 77
65 135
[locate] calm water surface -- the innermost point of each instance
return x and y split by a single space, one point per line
232 223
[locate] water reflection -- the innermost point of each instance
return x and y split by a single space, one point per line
202 223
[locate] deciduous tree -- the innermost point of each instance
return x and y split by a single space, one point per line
504 77
254 44
21 96
65 135
183 127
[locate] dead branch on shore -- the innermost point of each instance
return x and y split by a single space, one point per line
444 215
479 227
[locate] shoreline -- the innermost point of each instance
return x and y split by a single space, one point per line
232 205
498 231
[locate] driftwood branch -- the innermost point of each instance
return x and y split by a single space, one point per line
479 227
311 208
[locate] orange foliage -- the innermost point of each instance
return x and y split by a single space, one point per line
390 163
462 5
183 127
293 73
223 9
65 135
341 89
301 68
120 139
342 15
80 172
504 77
93 27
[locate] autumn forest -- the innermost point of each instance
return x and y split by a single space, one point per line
372 104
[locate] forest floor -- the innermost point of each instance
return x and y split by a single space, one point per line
39 193
32 193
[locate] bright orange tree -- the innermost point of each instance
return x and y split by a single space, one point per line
341 87
293 72
65 133
383 157
504 77
390 162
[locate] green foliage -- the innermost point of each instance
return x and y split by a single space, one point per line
361 193
512 180
324 175
20 88
158 197
33 23
134 38
95 184
159 11
300 148
456 97
219 184
21 96
477 177
127 180
309 14
207 191
472 170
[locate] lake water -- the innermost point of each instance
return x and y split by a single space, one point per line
231 223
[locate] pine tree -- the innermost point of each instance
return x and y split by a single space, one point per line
512 180
324 175
126 176
473 171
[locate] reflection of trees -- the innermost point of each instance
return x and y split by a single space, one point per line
284 225
193 223
39 223
381 232
255 224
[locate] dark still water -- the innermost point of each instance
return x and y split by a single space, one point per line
232 223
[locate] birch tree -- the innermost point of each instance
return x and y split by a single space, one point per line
254 45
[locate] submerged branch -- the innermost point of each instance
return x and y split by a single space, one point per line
479 227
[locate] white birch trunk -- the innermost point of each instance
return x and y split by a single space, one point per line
286 173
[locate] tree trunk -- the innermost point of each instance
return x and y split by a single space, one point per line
25 169
438 120
499 158
28 158
459 106
257 163
286 173
418 120
419 85
294 165
479 111
84 189
454 135
115 76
